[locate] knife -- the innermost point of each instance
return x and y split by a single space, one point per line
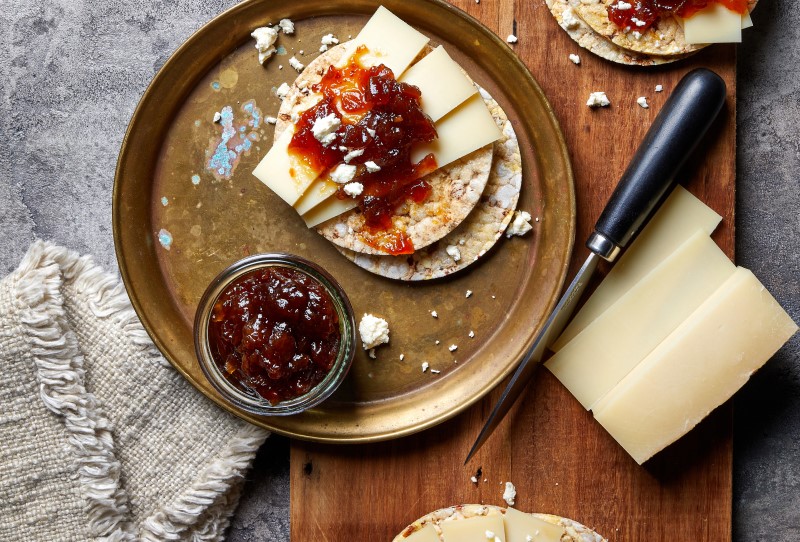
676 131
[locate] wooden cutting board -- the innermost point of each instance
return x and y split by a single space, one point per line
561 461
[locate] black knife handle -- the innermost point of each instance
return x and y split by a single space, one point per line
679 126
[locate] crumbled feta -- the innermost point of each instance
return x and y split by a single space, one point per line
512 38
638 22
575 59
280 66
371 353
568 20
435 371
471 334
353 189
372 167
343 173
265 39
324 129
296 64
642 101
623 6
402 357
510 493
659 88
453 252
636 34
598 99
473 480
283 90
301 52
323 48
329 39
435 315
287 26
425 366
437 341
371 132
352 154
271 120
217 117
453 347
520 225
374 331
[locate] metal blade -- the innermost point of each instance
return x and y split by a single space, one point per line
552 328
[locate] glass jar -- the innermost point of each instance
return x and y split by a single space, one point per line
240 394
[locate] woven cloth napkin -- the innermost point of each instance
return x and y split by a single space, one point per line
100 438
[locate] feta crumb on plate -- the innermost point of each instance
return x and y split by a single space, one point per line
329 39
217 116
374 331
283 90
435 371
471 334
469 293
520 225
598 99
265 39
642 101
510 493
622 5
296 64
287 26
372 167
453 252
569 20
659 88
425 366
324 128
343 173
353 189
435 314
271 120
575 58
453 347
352 154
512 38
473 480
371 353
402 357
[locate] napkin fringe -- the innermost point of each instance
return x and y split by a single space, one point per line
60 375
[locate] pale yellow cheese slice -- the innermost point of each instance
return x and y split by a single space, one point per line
714 24
426 534
697 368
679 218
320 190
747 21
615 342
328 209
284 173
389 41
522 527
474 529
441 81
465 129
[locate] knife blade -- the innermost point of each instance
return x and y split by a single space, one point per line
680 125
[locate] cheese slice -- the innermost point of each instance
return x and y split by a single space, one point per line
474 529
441 81
328 209
614 343
714 24
679 218
697 368
286 174
467 128
747 21
320 190
522 527
389 40
426 534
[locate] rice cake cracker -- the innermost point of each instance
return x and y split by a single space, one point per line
477 233
455 189
572 530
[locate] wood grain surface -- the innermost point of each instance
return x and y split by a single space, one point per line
559 458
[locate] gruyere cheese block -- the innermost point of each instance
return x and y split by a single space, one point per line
389 40
714 24
441 81
615 342
467 128
328 209
319 190
285 174
426 534
697 368
679 218
474 529
522 527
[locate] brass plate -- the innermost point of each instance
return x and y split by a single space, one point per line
217 221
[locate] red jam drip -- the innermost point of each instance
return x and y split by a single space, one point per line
644 13
276 331
382 117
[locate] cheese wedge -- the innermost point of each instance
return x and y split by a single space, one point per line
679 218
714 24
441 81
426 534
697 368
474 529
616 341
522 527
284 173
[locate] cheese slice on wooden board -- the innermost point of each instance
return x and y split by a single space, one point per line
285 174
441 81
474 529
426 534
389 40
714 24
606 350
697 368
464 130
522 527
679 218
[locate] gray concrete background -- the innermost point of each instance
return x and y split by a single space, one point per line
72 72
